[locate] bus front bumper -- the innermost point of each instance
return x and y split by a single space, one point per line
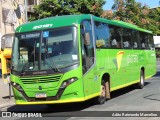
67 95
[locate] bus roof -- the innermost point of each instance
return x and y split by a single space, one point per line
122 24
69 20
52 22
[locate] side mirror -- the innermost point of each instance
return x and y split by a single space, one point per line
87 39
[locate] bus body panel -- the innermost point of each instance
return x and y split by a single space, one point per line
122 65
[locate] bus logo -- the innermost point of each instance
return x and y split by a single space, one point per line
42 26
119 59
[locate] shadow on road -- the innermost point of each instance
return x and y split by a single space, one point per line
53 108
7 97
153 97
157 74
125 90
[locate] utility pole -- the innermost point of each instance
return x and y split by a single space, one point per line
26 8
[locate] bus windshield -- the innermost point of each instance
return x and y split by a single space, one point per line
49 49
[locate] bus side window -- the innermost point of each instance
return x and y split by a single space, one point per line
135 45
150 42
144 40
102 35
115 37
114 42
135 39
127 38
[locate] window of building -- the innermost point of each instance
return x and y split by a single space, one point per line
31 2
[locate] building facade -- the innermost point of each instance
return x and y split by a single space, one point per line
13 13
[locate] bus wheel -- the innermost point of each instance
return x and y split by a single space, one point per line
102 98
108 96
142 79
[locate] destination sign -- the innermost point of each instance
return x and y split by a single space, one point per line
30 35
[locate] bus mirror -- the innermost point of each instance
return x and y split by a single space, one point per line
87 39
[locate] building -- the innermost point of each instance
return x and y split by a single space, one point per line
13 13
31 4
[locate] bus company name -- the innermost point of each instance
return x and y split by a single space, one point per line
132 59
42 26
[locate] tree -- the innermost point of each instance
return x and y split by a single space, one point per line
154 17
136 13
49 8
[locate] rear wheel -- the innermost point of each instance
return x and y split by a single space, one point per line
108 90
142 79
102 98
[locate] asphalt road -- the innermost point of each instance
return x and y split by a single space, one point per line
127 99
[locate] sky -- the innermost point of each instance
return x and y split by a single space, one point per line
150 3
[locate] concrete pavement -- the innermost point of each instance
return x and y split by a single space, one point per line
4 95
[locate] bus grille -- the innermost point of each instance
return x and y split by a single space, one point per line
46 79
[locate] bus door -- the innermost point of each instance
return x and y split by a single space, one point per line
88 54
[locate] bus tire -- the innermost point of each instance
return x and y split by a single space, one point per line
101 99
108 96
142 79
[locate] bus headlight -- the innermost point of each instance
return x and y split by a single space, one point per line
68 82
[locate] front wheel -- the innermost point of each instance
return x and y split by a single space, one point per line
102 98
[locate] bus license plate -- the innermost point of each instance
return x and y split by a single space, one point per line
41 95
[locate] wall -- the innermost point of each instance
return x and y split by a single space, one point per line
12 14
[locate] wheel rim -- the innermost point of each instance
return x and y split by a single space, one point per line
142 79
103 91
103 94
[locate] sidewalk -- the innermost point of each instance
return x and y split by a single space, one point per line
4 95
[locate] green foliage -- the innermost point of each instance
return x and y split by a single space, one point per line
49 8
136 13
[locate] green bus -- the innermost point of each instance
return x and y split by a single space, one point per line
74 58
